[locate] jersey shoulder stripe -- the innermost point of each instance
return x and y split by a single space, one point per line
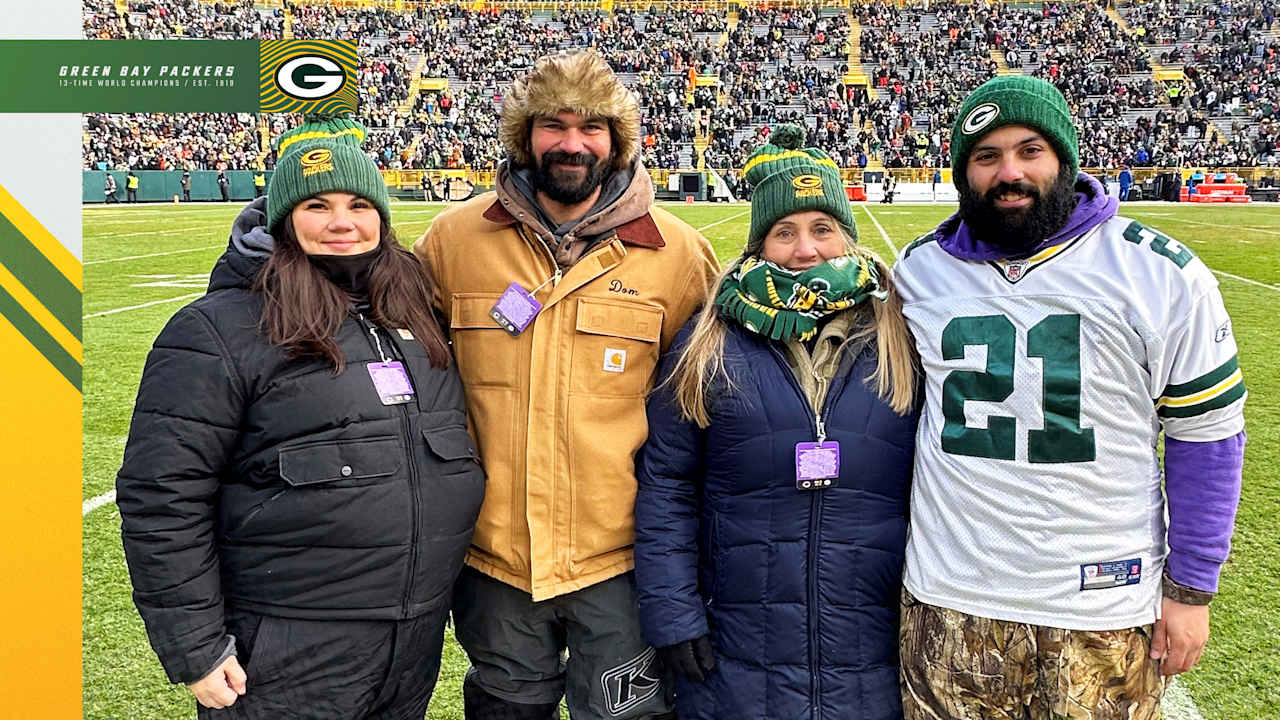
1215 389
922 240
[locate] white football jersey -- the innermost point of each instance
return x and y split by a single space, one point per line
1037 491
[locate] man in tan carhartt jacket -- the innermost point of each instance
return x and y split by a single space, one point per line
558 407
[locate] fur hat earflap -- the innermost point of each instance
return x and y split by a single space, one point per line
577 81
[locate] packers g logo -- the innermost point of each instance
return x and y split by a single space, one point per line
310 77
807 185
314 76
979 118
316 161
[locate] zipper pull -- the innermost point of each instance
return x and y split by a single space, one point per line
822 430
376 342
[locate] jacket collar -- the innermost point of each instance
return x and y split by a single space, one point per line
641 232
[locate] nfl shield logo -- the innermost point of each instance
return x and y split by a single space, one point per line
1015 269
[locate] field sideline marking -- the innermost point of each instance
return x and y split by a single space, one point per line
731 217
883 234
1178 703
188 296
96 502
158 254
1246 280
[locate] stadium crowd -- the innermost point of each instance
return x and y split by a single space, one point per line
775 65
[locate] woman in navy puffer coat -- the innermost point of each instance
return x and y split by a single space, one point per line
773 600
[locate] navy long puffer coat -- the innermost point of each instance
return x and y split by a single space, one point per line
798 589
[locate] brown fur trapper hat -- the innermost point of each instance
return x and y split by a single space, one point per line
577 81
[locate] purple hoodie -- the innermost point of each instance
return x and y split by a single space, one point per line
1202 480
1093 208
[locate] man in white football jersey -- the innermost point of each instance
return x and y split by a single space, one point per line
1058 340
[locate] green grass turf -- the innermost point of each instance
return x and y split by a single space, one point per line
1237 678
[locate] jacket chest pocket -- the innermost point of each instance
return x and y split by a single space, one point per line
486 354
349 462
615 347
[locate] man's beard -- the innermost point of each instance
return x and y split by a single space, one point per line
1018 230
569 187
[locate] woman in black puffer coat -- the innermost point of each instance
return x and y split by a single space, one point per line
299 488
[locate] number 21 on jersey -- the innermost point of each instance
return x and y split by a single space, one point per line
1056 341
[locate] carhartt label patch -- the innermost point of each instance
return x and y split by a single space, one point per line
1117 573
316 161
615 360
807 185
404 334
979 118
631 683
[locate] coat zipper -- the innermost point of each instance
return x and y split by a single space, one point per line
815 517
406 426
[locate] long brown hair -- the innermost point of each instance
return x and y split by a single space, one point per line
303 310
880 323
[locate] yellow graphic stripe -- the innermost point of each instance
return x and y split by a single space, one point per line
1048 253
41 315
47 244
319 135
788 154
1231 381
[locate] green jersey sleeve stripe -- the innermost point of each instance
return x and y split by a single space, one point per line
1218 401
1204 382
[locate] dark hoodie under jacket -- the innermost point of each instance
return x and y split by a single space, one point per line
263 482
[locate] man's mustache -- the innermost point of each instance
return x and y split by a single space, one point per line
1022 188
584 159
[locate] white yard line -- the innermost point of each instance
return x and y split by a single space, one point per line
188 296
157 254
150 232
1218 225
1246 280
731 217
1177 703
883 234
94 503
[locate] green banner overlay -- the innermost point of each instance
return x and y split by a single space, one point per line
178 76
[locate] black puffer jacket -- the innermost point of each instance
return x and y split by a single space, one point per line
267 483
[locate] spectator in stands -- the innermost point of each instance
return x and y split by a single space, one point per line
549 568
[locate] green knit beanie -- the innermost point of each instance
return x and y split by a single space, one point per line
786 179
321 155
1014 100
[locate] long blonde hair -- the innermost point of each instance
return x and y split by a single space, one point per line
701 361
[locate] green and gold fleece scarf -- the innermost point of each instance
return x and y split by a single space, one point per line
783 304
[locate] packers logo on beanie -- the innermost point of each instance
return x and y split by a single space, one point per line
1013 100
786 179
321 155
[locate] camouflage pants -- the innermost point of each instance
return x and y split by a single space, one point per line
957 666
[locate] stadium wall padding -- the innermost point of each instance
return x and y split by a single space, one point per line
162 185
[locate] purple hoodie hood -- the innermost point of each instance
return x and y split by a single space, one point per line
1093 208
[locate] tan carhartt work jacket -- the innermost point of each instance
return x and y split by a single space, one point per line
559 411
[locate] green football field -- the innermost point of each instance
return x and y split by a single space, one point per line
143 263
